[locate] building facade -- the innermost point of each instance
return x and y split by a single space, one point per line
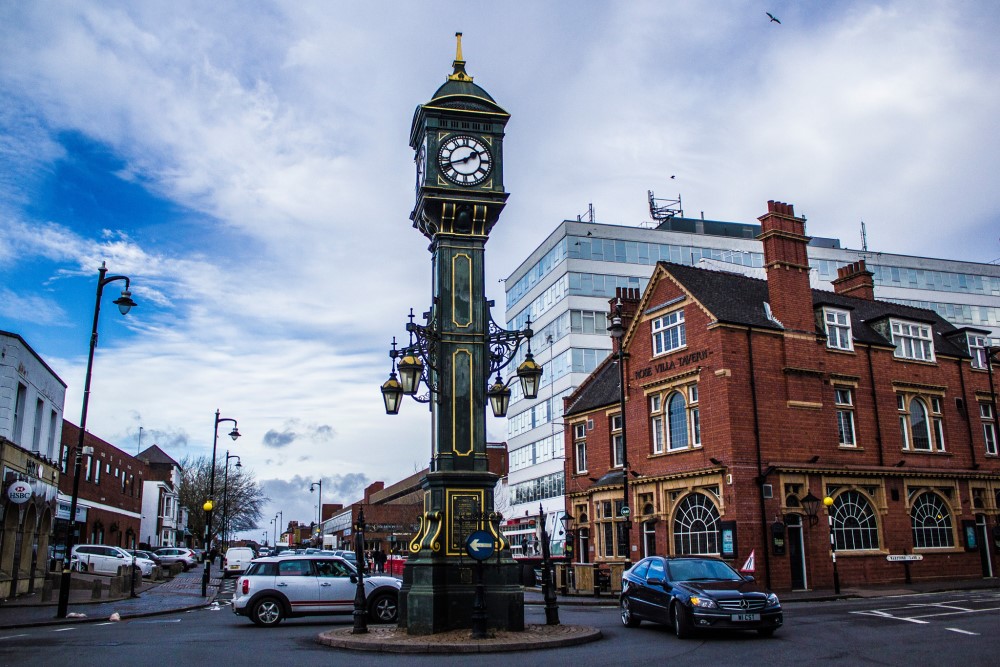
164 521
750 402
109 501
564 285
31 407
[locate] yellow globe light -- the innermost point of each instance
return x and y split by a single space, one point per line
828 501
208 506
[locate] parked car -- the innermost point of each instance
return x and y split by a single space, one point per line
276 588
171 555
264 551
149 555
106 559
236 561
696 593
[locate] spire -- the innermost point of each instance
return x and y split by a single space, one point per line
459 64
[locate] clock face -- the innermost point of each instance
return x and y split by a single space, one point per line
465 160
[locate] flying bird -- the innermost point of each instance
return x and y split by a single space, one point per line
773 19
673 176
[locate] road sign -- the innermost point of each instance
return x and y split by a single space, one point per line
480 545
903 558
626 511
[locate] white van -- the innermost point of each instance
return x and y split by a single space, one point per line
236 561
102 559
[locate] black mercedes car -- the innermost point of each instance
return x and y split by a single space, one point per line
692 593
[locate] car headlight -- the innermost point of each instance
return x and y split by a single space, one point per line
772 600
704 603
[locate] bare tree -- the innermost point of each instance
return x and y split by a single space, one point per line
244 497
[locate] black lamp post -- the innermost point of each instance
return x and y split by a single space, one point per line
210 503
548 591
319 513
225 498
124 303
810 504
277 526
617 331
568 549
360 600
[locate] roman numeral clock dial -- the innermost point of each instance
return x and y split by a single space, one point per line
465 160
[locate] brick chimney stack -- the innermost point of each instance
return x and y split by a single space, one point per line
787 266
855 280
630 303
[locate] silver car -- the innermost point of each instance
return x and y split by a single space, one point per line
277 588
169 555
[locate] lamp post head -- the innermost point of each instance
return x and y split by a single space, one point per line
392 394
828 501
411 368
530 374
125 302
239 464
235 433
208 506
617 329
499 396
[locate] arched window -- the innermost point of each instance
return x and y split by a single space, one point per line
677 421
920 425
854 524
696 526
931 522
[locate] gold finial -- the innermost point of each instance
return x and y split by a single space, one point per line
459 64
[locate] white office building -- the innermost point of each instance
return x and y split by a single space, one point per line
565 284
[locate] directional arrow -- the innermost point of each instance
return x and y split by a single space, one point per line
480 545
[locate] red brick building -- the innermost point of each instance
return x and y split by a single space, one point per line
110 494
749 401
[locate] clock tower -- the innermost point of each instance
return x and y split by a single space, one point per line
457 138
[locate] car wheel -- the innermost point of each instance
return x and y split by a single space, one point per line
629 620
383 608
766 632
267 612
682 624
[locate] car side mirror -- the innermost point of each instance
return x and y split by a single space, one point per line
655 581
748 577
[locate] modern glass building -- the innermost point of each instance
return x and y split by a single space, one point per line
565 284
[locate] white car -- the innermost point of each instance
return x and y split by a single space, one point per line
106 559
276 588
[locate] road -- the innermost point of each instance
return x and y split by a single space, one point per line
960 628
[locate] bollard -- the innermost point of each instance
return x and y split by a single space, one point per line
95 591
47 590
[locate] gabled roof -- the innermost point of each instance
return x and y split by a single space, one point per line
154 454
732 298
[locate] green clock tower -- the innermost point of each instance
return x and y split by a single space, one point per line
457 138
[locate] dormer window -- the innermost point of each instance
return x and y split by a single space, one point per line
669 333
977 349
838 329
912 340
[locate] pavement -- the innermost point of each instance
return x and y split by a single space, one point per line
183 593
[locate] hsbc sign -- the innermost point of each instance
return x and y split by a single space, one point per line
19 492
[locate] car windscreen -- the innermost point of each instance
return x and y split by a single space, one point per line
701 570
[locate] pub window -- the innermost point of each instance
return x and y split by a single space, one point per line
844 400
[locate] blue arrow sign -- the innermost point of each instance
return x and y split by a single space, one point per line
480 545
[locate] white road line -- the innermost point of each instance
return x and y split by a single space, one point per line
106 623
964 632
954 613
63 629
15 636
883 614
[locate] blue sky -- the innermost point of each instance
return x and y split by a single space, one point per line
247 165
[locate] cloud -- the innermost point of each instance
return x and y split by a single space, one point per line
278 440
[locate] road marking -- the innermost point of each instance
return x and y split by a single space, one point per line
883 614
63 629
964 632
15 636
106 623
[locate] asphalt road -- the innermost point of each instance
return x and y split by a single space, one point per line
961 628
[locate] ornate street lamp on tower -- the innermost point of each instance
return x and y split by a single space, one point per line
210 503
124 303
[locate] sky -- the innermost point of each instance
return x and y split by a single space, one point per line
247 166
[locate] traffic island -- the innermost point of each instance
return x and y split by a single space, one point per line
390 639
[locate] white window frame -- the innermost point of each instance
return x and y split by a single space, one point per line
913 340
977 348
580 447
617 450
935 421
843 399
663 327
839 335
989 428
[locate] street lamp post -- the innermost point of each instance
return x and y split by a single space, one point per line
568 549
548 592
277 526
124 303
210 503
319 513
360 602
828 501
617 331
225 498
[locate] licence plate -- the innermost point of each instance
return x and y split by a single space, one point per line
234 567
746 617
